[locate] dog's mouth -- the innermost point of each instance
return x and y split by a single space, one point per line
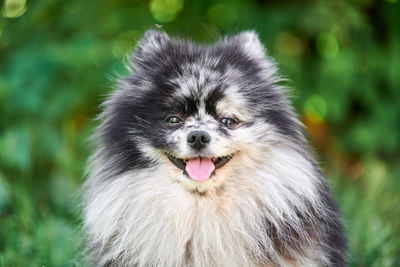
199 168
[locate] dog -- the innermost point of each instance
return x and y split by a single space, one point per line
200 160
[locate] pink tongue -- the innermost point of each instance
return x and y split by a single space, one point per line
200 169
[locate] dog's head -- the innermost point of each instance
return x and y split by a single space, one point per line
201 113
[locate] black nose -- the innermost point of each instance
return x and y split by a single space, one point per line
198 139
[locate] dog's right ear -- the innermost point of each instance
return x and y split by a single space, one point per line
152 42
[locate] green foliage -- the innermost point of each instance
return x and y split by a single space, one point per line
56 57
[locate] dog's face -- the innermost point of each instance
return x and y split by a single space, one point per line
199 113
205 125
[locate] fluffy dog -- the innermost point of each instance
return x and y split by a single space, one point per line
201 161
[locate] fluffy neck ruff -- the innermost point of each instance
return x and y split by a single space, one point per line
265 215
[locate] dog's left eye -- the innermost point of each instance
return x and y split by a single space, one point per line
228 122
173 120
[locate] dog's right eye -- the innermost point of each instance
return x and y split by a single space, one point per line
173 120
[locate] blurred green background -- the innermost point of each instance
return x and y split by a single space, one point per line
58 59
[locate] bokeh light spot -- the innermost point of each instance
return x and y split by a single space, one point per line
165 10
315 107
327 45
288 44
222 15
14 8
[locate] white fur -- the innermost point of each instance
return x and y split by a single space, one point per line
148 217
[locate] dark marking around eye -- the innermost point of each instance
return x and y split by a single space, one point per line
188 106
212 99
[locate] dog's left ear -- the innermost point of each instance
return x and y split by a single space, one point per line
152 42
250 44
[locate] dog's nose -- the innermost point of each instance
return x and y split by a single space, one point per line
198 139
